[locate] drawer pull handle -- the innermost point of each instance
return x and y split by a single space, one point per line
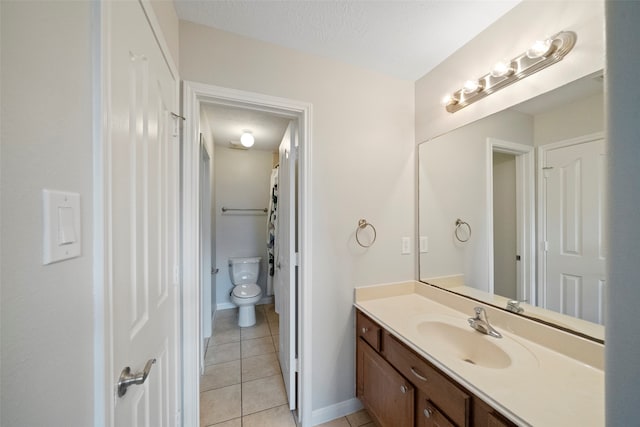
428 412
417 374
403 389
365 330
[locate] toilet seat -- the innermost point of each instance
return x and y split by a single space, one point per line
249 290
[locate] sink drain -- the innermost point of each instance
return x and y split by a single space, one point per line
469 361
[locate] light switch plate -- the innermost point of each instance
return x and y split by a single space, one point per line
62 226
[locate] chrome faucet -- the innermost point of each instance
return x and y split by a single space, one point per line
481 323
514 306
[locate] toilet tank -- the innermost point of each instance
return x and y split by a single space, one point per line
244 270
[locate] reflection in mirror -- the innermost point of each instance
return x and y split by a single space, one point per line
528 182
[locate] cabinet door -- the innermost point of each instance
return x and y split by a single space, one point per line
388 397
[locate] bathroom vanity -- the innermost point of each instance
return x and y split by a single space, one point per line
419 363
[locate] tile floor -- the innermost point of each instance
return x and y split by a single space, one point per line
242 383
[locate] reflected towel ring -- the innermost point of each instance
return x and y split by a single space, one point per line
362 224
459 224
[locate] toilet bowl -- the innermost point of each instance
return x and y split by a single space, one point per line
245 293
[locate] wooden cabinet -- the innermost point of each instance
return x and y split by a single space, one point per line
400 388
389 397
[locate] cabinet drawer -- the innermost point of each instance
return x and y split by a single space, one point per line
428 415
450 399
368 330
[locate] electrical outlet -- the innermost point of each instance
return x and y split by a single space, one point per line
424 244
406 246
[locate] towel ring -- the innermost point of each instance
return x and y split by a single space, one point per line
362 224
460 223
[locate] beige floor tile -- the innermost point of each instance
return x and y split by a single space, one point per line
272 316
257 347
220 375
225 336
228 313
222 353
371 424
237 422
358 419
219 405
274 327
340 422
276 341
225 324
256 331
261 394
275 417
265 365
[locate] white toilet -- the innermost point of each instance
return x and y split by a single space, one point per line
246 293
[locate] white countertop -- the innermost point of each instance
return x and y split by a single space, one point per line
547 387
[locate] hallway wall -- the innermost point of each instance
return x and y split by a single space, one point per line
363 167
47 316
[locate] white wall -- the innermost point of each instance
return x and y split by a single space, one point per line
578 118
241 181
453 184
362 167
46 311
509 36
622 350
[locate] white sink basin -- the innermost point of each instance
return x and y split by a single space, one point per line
452 339
466 344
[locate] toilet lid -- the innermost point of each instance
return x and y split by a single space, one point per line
246 291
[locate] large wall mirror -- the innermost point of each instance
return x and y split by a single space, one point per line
512 208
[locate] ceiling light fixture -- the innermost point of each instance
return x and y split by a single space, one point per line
540 55
247 139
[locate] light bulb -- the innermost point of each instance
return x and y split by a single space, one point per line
502 69
449 100
471 86
247 139
540 49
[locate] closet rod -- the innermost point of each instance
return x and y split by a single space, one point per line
240 209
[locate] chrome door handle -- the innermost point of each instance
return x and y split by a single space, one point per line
127 378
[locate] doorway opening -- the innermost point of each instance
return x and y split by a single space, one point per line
511 224
292 262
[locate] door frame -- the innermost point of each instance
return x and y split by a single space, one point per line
105 374
206 269
542 205
193 94
525 201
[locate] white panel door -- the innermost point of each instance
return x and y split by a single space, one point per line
142 209
575 226
286 261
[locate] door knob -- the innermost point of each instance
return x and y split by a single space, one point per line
127 378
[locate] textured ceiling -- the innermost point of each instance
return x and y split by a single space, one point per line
405 39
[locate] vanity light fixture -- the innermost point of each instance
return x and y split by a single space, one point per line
541 54
247 139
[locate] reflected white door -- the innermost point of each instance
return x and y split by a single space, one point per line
141 170
286 261
575 225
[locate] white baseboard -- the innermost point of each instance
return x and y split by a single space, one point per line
227 305
332 412
266 300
